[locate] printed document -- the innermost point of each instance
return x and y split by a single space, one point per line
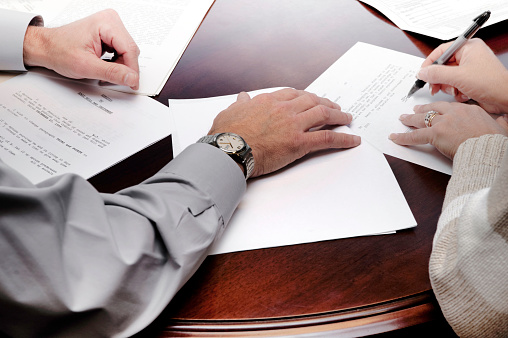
50 127
371 83
327 195
161 29
441 19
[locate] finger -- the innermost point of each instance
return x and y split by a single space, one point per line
460 97
116 36
441 107
309 101
436 53
434 88
450 90
242 97
322 115
325 139
437 74
112 72
417 136
413 120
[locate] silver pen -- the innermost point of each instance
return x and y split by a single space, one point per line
461 40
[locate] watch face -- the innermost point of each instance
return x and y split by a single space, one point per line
230 142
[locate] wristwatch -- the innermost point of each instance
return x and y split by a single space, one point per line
235 146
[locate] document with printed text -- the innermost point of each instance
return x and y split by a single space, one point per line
161 29
327 195
50 127
441 19
371 83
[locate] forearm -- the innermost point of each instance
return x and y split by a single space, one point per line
468 267
108 262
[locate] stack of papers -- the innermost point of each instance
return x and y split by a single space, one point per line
161 29
441 19
331 194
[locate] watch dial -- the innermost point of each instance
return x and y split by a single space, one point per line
230 142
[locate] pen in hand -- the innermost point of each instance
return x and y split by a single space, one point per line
461 40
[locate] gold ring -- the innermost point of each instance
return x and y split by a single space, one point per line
429 116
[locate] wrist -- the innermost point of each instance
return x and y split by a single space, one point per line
35 47
234 146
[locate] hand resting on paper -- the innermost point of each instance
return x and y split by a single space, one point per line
277 126
75 50
454 124
474 72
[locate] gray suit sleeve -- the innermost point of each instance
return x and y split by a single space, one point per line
76 262
13 26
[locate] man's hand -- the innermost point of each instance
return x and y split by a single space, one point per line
283 126
74 50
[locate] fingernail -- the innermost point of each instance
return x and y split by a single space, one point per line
416 107
403 116
451 91
393 137
129 80
357 139
422 74
464 97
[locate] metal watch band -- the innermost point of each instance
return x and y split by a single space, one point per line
245 159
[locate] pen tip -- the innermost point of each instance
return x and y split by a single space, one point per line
411 92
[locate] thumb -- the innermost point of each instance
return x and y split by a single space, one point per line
437 74
113 72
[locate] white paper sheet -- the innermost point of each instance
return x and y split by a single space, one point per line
441 19
161 29
49 127
371 83
328 195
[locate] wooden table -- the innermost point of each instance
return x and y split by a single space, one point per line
347 287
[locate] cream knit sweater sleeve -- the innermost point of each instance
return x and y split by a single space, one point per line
469 262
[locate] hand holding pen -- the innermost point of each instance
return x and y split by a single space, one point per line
453 48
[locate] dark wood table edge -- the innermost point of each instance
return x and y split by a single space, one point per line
372 319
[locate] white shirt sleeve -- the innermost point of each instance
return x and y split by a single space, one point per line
13 27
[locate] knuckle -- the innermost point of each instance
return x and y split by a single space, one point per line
313 98
291 92
263 98
110 12
111 72
323 112
296 144
328 138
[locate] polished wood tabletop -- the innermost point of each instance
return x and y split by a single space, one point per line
347 287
